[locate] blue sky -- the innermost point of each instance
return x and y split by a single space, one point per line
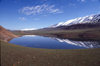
26 14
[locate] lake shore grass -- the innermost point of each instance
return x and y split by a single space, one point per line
15 55
90 33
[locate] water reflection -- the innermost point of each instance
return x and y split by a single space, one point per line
87 44
53 42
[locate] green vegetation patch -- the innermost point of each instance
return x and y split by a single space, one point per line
14 55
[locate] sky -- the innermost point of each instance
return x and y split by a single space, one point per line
28 14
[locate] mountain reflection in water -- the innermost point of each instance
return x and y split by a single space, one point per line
53 42
87 44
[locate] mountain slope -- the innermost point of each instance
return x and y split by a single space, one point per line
5 34
92 19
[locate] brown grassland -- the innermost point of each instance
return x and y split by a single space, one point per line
14 55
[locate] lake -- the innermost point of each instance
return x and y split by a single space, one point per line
53 42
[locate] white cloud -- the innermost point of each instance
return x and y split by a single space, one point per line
39 9
44 15
86 0
70 4
82 0
15 1
22 18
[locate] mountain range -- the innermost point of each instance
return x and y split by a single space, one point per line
82 22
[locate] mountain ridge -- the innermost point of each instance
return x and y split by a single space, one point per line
91 19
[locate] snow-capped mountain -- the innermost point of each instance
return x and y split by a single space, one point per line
87 44
28 29
93 19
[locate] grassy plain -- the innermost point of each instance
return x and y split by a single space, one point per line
90 33
14 55
76 33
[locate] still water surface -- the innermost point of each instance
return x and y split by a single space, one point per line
53 43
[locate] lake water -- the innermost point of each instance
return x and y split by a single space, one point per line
53 43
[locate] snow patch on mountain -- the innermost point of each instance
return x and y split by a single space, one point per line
80 20
28 29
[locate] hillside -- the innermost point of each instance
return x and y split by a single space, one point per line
91 19
5 34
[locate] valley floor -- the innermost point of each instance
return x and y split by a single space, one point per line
14 55
90 33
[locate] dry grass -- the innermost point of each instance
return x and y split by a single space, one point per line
14 55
